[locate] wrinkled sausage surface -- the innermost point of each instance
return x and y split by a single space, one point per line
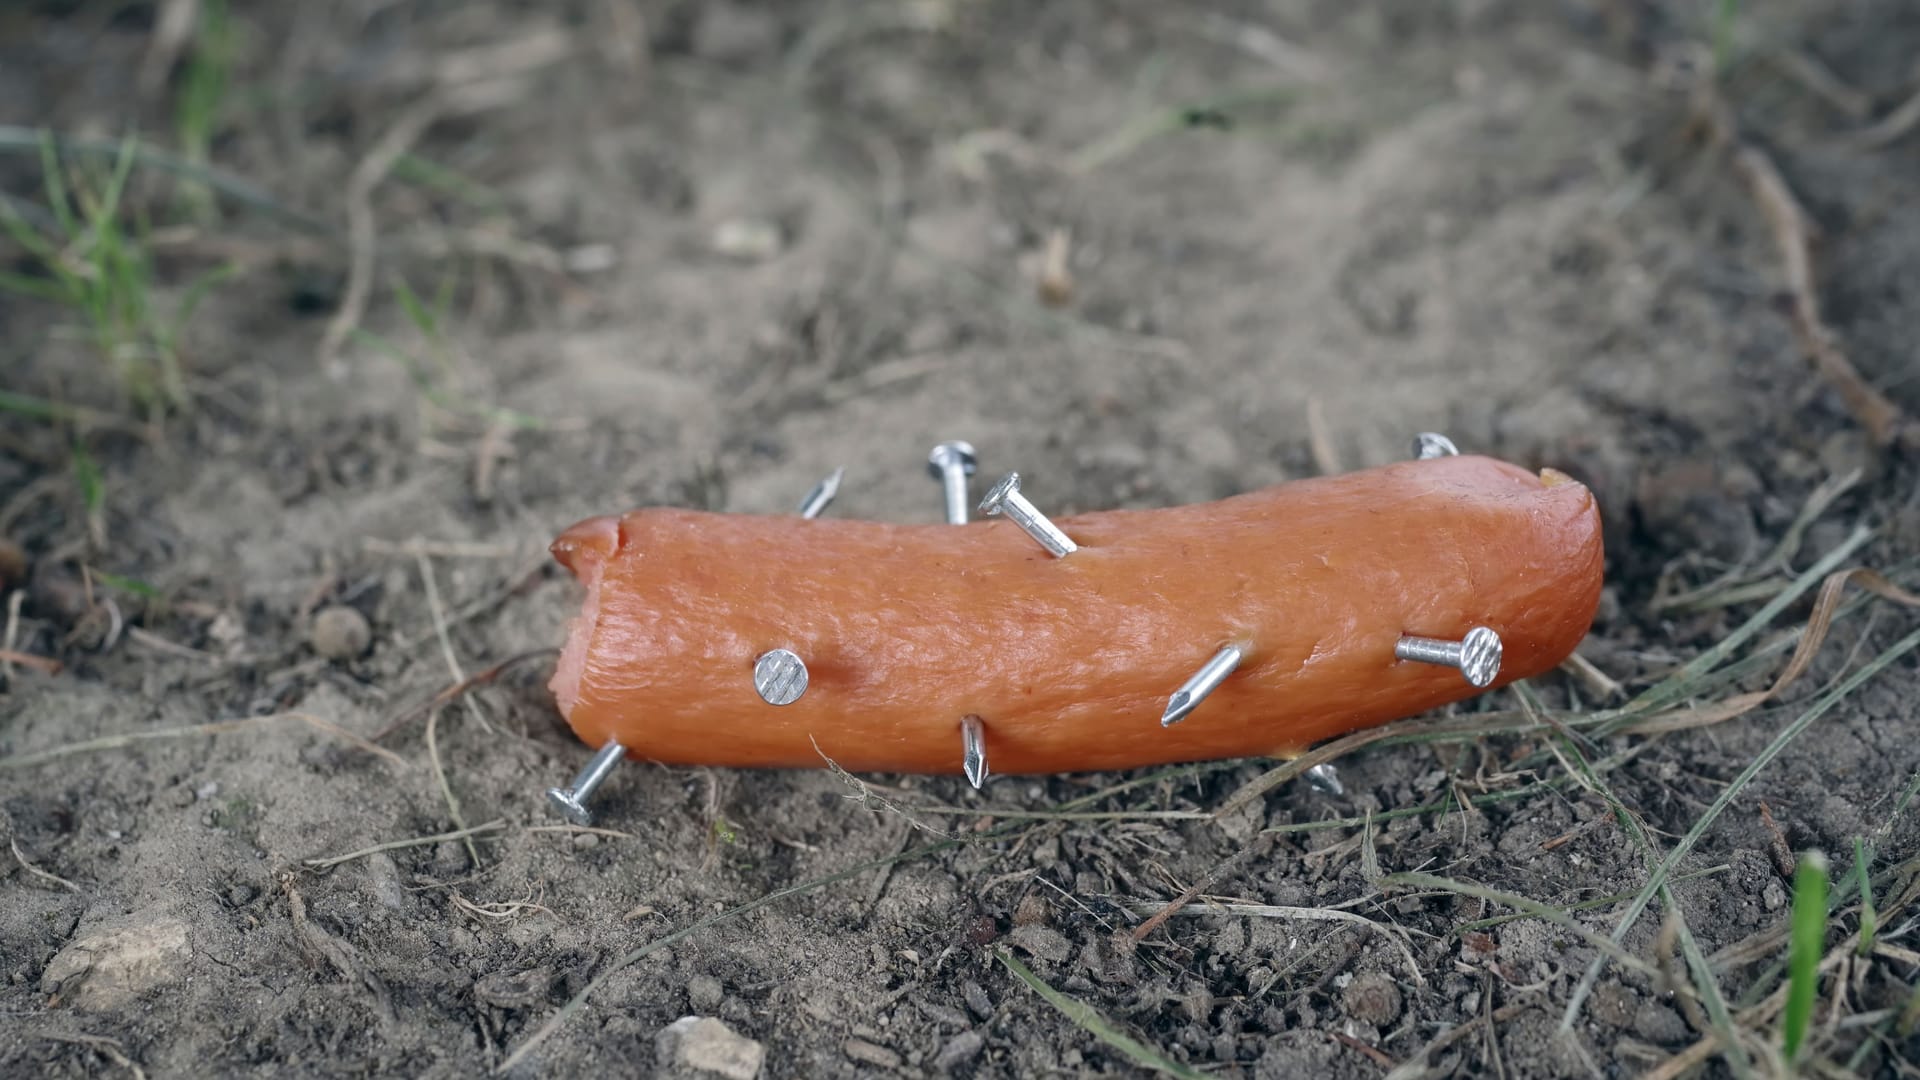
905 629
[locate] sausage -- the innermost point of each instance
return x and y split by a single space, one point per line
908 629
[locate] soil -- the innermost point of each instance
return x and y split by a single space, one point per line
703 254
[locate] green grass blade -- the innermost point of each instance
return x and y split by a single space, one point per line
56 184
1869 918
1808 942
1089 1020
93 487
38 288
1726 14
37 408
1664 871
1679 684
417 311
126 584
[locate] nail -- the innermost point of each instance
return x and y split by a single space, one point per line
1477 656
1204 682
951 463
780 676
822 494
1326 779
973 750
1431 444
570 802
1006 497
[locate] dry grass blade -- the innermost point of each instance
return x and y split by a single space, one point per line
479 678
107 1048
396 845
1089 1020
1657 880
1278 911
1891 128
337 953
1793 234
1685 681
218 727
446 789
361 238
43 875
1818 625
1415 1068
46 665
579 1000
1225 867
1556 916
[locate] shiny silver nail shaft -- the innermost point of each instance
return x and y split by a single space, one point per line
973 750
951 463
1477 655
1204 682
822 494
1005 498
1431 444
570 802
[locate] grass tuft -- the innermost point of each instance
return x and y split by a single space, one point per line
1088 1019
95 264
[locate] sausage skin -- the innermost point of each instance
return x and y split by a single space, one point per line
906 629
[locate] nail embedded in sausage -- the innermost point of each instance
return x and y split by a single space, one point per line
1067 662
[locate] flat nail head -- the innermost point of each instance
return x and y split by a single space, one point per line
780 676
565 803
953 452
1431 444
1480 656
998 493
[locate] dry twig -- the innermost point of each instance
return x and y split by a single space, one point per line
1793 233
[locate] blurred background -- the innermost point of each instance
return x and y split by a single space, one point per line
317 322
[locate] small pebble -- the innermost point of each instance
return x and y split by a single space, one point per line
960 1050
748 240
871 1054
1372 998
585 841
1043 942
340 633
704 1044
977 1001
241 895
704 993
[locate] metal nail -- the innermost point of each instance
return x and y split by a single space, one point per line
1477 655
1204 682
1005 497
973 750
822 494
1431 444
1326 780
951 463
780 676
570 802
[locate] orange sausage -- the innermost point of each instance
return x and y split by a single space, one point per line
906 629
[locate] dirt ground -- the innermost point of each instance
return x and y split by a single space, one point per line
600 255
